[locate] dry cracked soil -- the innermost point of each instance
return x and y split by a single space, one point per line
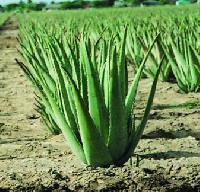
167 158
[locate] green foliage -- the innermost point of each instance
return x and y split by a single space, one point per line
36 6
72 4
12 6
99 3
21 6
78 4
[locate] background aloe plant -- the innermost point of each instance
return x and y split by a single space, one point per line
185 62
155 57
137 47
4 17
82 90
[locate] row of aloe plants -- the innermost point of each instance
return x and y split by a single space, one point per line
178 32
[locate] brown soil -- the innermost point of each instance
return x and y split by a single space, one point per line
33 160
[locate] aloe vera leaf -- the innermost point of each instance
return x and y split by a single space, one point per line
139 131
68 133
130 99
95 150
97 108
117 128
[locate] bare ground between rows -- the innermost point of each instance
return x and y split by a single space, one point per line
33 160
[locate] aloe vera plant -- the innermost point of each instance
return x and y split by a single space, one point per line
155 58
134 50
185 62
82 90
137 46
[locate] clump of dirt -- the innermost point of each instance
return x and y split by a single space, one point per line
31 159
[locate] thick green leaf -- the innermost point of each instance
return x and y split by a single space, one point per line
97 108
118 128
95 150
140 129
130 99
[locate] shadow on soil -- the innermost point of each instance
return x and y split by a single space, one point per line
160 133
190 105
170 154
